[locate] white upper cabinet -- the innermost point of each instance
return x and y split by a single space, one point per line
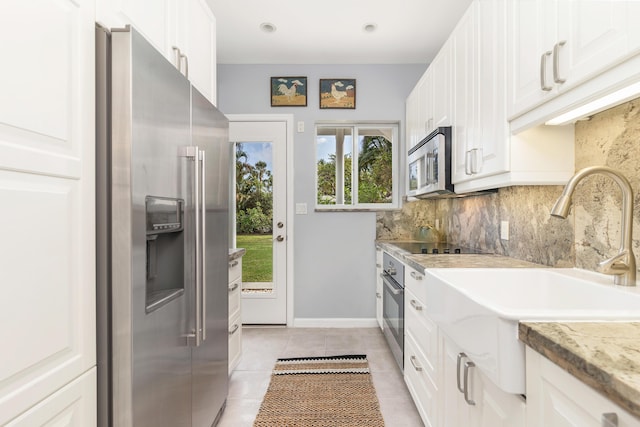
151 19
442 91
183 30
465 89
47 188
557 45
481 134
194 33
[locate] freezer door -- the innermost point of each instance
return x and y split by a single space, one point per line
152 273
210 370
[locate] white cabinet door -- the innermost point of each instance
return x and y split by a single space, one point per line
492 143
555 398
484 404
72 406
442 92
195 35
455 411
557 45
47 186
592 35
464 45
151 19
532 29
379 286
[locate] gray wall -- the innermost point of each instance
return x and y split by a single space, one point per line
334 251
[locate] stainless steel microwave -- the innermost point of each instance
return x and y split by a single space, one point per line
429 165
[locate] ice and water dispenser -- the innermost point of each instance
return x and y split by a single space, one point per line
165 250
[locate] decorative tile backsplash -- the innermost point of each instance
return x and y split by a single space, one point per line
589 235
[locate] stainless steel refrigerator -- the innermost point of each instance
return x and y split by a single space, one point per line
162 202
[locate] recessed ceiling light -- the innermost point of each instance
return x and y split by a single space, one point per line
370 28
268 27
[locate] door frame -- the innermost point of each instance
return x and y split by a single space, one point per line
288 119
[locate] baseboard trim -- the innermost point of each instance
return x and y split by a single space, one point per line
335 323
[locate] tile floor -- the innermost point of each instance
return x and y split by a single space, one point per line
261 346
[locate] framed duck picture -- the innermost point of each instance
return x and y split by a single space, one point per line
288 91
338 93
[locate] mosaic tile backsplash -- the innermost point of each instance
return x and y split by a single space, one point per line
589 235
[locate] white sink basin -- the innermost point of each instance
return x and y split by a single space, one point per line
479 309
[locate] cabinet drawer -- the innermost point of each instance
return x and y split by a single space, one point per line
414 281
423 331
422 387
235 294
235 341
235 269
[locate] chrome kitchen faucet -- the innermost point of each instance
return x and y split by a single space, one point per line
623 265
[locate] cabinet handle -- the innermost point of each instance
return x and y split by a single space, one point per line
415 363
467 163
610 419
474 156
234 329
556 62
378 295
416 275
176 58
543 67
467 366
186 64
458 363
233 287
415 305
378 265
233 264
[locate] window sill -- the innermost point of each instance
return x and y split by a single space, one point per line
355 209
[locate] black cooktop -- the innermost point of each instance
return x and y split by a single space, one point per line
435 248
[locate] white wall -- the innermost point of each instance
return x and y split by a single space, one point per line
334 251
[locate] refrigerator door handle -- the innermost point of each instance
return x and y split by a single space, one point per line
194 339
203 255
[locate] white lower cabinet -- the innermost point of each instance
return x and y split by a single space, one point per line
555 398
447 388
235 322
72 406
379 286
471 399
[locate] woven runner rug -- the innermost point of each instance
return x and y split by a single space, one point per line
332 391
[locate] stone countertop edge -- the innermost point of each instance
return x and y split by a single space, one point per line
421 262
602 355
235 253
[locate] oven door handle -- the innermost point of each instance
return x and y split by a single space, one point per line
391 286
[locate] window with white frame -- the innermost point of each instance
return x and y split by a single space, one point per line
357 166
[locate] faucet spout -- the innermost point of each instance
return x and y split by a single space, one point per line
623 265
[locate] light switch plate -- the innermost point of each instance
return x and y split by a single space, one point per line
504 230
301 208
300 126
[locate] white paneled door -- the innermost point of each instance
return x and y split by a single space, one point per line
47 248
261 217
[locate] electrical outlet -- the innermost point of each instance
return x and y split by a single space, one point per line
504 230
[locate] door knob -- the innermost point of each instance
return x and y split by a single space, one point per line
280 224
279 238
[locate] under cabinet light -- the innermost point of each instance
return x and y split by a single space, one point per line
600 104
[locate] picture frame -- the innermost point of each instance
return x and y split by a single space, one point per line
338 93
289 91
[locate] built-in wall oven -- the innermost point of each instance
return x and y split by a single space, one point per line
393 305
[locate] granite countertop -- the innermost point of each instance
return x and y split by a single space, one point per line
603 355
420 262
235 253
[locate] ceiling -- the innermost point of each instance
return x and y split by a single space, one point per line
332 31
